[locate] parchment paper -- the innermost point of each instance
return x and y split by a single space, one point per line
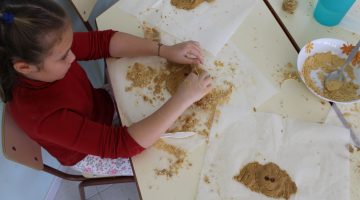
251 87
211 24
314 155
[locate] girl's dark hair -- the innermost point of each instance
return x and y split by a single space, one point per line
29 36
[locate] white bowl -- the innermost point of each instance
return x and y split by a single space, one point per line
324 45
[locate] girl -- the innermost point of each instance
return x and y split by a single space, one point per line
52 100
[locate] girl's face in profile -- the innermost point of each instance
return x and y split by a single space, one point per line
58 62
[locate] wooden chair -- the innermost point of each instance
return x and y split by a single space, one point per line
18 147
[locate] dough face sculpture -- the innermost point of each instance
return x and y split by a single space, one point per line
267 179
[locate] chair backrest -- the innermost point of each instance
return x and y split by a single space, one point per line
17 146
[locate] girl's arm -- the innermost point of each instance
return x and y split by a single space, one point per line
126 45
148 130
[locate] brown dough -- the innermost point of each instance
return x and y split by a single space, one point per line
178 72
267 179
289 6
151 33
187 4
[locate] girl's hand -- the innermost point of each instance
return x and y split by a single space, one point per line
194 87
183 53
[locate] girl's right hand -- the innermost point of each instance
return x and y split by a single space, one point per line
194 87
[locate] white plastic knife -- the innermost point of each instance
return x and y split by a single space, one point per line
177 135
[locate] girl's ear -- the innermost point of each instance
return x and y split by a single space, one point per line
24 68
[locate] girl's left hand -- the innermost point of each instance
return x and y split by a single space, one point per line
183 53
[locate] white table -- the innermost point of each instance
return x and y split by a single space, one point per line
262 40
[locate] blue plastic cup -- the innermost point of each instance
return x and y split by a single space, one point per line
331 12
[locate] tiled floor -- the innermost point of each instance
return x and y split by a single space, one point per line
123 191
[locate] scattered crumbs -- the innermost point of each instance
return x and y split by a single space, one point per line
285 73
204 132
128 89
187 123
289 65
350 148
346 114
216 97
218 63
174 166
206 179
323 102
147 99
291 75
151 33
289 6
281 104
140 75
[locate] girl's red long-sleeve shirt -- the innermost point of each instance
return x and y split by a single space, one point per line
68 117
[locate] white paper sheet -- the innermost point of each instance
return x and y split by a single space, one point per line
351 113
351 21
211 24
314 155
251 87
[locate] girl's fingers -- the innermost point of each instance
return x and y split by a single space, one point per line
192 61
197 48
208 88
207 77
199 52
195 54
195 43
193 58
203 75
207 81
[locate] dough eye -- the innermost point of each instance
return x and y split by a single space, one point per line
269 179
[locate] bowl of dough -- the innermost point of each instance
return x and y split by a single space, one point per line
322 56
